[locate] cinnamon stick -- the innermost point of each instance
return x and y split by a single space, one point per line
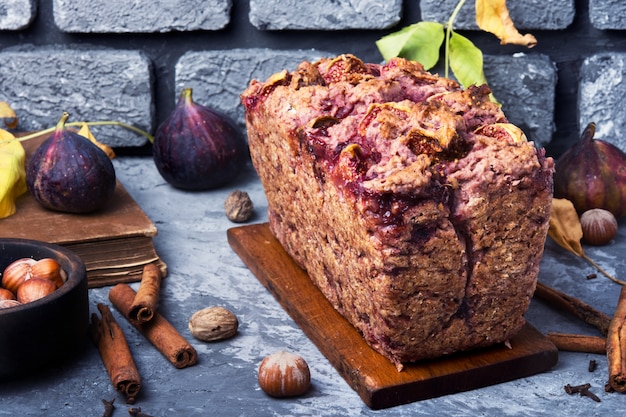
574 306
145 302
158 330
616 345
578 342
115 353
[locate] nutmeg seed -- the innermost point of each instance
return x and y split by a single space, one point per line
284 374
599 226
213 323
34 289
238 206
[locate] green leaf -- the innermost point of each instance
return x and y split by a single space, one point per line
419 42
466 61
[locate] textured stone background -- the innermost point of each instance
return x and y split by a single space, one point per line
127 61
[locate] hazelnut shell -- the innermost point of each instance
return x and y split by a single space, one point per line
16 273
599 226
284 374
34 289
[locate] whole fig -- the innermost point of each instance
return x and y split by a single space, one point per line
197 148
69 173
592 174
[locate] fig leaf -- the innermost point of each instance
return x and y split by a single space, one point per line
466 61
419 42
566 231
565 228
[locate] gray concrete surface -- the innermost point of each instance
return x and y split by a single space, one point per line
204 271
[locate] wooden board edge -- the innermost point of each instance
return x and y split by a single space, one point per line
544 356
542 360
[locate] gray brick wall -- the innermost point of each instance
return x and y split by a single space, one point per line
111 16
527 14
217 77
91 85
608 14
601 96
17 14
128 61
324 14
525 85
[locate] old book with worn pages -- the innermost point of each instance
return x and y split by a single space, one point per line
115 242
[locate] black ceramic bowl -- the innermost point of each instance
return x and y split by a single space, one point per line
49 330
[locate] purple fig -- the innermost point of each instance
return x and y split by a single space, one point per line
197 148
69 173
592 174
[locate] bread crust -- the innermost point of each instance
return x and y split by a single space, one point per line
412 204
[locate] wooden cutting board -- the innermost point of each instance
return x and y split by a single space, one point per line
373 377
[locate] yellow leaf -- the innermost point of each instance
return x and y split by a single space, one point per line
12 172
566 231
8 114
493 16
565 227
86 132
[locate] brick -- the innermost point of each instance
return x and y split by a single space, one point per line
324 14
525 85
122 16
17 14
526 14
607 14
600 96
219 77
91 85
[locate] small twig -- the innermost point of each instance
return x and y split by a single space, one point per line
592 365
449 31
602 271
583 390
100 123
108 407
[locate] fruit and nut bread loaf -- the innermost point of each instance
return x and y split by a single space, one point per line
413 205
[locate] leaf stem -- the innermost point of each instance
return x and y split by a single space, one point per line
449 31
100 123
602 271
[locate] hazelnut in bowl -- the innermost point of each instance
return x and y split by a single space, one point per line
40 325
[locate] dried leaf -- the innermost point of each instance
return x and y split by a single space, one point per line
419 42
86 132
12 172
493 16
8 114
566 231
565 228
